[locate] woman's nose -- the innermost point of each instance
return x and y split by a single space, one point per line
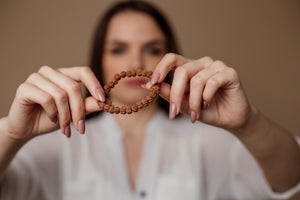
136 61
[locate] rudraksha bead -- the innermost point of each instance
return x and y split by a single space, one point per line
134 108
107 106
117 110
123 74
111 110
128 110
123 110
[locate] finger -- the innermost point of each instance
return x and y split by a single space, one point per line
73 90
181 78
91 105
30 94
60 97
169 61
225 79
197 85
88 78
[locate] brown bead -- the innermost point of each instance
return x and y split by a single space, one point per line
106 107
155 88
101 105
128 110
149 98
111 84
139 72
144 101
139 104
153 95
134 108
117 110
133 73
123 74
111 110
123 110
115 81
149 74
106 87
144 72
118 77
128 73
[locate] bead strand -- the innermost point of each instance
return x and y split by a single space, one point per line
108 107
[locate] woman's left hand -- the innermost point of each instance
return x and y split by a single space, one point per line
207 90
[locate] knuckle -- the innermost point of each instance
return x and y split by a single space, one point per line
219 63
32 76
74 87
207 59
61 96
20 89
171 56
47 100
212 82
44 68
182 71
196 81
85 69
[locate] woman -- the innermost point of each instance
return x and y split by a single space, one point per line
143 155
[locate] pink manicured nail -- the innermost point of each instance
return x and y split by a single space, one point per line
100 95
172 112
155 78
193 116
81 126
68 131
205 105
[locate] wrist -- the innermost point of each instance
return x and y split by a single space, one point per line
255 127
8 136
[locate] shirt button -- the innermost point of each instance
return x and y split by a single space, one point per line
143 194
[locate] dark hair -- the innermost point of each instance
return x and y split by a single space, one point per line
101 30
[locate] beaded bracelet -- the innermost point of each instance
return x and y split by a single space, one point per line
108 107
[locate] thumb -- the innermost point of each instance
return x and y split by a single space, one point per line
91 105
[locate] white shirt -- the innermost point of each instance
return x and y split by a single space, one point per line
180 161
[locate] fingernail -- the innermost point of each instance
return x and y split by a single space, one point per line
81 126
155 78
172 112
68 131
205 105
100 95
193 116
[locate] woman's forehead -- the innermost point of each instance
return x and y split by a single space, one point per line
131 26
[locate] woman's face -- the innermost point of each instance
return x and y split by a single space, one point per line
133 41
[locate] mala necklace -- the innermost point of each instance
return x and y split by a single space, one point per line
108 107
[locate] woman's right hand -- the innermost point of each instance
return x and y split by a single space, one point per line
50 99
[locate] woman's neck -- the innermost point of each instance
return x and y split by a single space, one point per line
136 123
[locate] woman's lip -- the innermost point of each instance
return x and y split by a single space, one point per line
136 82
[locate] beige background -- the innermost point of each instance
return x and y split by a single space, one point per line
261 39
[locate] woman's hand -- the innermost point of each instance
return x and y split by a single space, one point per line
208 90
50 99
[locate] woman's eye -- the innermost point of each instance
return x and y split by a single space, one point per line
154 51
117 51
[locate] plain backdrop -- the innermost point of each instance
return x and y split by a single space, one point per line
261 39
